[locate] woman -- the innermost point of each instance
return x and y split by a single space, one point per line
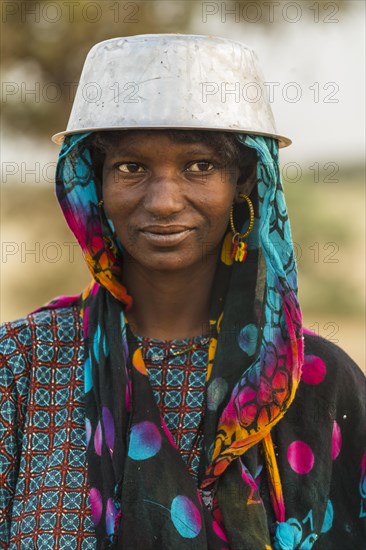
178 402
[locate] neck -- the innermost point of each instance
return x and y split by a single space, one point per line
170 305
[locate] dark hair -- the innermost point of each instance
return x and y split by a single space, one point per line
225 144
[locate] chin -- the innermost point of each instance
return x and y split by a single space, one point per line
167 261
171 264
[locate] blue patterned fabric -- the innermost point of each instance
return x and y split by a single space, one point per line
42 433
177 373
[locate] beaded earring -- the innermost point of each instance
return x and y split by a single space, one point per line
239 248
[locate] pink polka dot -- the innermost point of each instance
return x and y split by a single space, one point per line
96 505
336 440
313 370
300 457
219 531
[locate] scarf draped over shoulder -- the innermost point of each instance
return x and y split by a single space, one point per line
141 493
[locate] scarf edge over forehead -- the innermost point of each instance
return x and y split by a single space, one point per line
273 372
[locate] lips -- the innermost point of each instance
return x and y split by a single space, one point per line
165 229
166 235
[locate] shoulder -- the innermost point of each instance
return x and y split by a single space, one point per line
19 339
337 361
327 367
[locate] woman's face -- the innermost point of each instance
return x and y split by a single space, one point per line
169 202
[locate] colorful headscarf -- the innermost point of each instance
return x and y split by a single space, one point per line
142 495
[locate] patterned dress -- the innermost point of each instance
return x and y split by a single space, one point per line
177 374
44 494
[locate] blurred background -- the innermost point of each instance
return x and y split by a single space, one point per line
313 58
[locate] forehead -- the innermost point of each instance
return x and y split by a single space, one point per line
157 139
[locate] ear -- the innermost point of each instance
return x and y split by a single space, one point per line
246 184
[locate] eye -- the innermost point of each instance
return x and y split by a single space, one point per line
201 166
130 168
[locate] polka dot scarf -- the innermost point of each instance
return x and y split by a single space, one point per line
141 493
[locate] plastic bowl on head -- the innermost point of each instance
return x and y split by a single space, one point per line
160 81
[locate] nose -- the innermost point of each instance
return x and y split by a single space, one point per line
164 195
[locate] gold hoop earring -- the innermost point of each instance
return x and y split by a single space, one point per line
239 248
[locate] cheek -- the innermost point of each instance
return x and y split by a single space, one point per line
220 201
113 209
120 208
115 201
216 214
221 221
